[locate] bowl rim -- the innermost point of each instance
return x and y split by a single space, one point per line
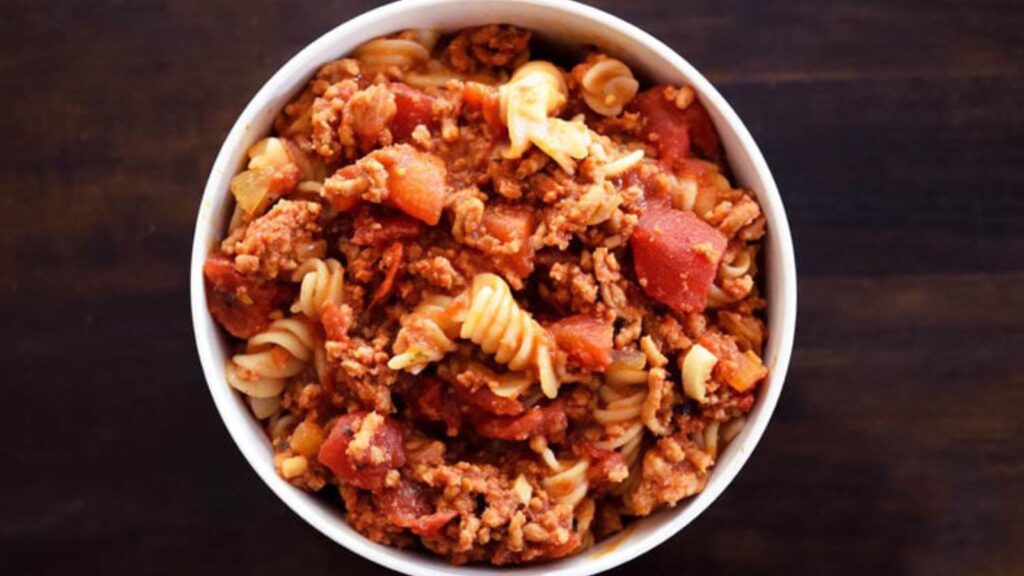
235 418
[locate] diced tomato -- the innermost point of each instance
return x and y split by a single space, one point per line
483 399
408 505
392 259
345 203
484 100
430 400
744 371
586 340
364 473
337 321
240 304
372 229
740 370
417 182
678 133
430 526
512 224
549 421
412 109
404 502
676 256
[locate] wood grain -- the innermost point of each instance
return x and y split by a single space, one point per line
896 135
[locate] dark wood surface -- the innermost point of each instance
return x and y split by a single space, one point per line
895 131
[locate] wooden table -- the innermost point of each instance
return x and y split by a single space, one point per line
894 129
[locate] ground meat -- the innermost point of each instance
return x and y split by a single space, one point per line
438 271
491 46
366 117
326 116
672 470
278 241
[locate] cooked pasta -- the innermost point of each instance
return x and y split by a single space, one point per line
426 335
568 484
502 305
270 358
497 323
321 283
528 104
696 368
622 398
608 85
382 53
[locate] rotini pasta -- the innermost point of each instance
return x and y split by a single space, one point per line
426 335
499 326
622 398
383 53
270 358
740 266
608 85
322 282
567 484
528 102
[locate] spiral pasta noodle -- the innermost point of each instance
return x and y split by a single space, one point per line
740 265
736 275
568 482
383 53
528 104
608 85
569 485
497 324
271 357
426 335
322 282
622 398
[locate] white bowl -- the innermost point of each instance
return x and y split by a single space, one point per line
567 23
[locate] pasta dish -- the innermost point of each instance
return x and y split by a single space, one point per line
497 306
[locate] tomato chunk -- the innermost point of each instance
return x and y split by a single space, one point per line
430 401
416 182
549 421
676 256
337 321
585 339
240 304
483 100
740 370
367 464
512 224
412 109
408 505
372 229
678 134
